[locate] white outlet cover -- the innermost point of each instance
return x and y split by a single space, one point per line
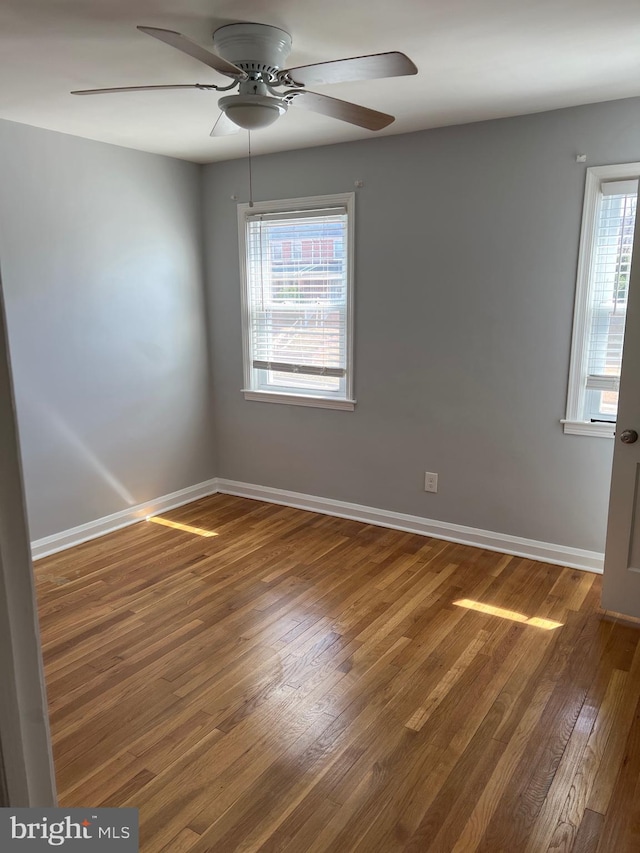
430 481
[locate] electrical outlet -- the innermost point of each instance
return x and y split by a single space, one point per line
430 482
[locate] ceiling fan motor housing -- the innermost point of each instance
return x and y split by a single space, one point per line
260 50
253 47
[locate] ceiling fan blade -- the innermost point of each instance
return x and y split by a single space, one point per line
189 47
343 110
373 67
138 89
224 126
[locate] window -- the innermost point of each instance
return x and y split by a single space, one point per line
601 299
296 260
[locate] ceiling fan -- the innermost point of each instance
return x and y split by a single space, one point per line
252 55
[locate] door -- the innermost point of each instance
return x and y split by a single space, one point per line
26 766
621 588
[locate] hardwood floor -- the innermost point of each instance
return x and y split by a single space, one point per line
307 684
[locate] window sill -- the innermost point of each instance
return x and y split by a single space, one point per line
299 400
597 430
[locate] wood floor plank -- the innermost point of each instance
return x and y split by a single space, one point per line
606 776
621 826
307 684
589 833
564 805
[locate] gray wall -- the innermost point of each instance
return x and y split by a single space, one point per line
466 254
101 256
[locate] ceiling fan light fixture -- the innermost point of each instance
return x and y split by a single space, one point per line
252 112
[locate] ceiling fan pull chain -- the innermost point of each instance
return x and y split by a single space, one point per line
250 177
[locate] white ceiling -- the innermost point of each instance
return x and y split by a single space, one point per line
477 59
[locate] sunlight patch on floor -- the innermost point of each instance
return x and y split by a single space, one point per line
187 528
535 621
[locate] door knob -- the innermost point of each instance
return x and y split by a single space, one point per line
628 436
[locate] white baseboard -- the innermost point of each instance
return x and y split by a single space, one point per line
532 549
92 529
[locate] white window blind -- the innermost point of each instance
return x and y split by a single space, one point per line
610 265
297 299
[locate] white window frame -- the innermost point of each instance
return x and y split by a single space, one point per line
572 423
309 203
